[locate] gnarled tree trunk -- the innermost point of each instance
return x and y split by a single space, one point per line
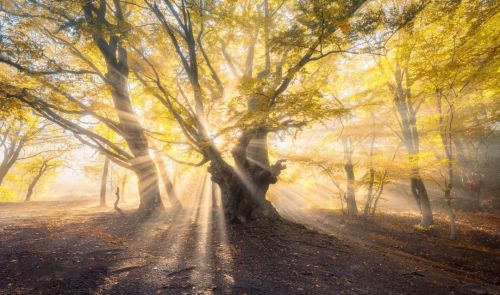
244 187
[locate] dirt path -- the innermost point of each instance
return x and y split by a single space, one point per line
73 248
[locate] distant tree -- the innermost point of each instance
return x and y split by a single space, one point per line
40 167
15 135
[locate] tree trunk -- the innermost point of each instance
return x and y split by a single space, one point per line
352 208
143 165
242 198
407 112
31 187
421 197
34 182
371 181
104 181
41 171
445 130
115 55
149 192
244 187
378 194
369 195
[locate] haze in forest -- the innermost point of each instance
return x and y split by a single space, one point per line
314 112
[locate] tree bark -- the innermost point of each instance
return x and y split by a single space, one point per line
34 182
369 195
149 191
115 55
371 180
104 182
445 130
352 208
421 197
242 198
408 122
244 186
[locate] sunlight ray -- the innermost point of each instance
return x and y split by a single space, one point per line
202 277
225 256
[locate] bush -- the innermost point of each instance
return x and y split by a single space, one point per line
8 195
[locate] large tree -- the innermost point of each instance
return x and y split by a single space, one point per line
239 68
69 67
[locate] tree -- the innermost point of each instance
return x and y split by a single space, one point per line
406 107
77 55
263 103
14 135
94 43
454 64
40 167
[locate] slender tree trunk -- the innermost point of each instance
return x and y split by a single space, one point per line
445 130
31 188
378 194
34 182
369 196
408 121
104 182
352 208
411 141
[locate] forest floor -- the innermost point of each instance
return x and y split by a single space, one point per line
76 248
